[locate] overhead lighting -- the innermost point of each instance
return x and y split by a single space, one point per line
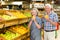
52 2
17 3
37 0
2 2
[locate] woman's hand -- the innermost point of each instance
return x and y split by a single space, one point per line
34 18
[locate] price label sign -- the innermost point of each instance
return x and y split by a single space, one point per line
38 5
37 0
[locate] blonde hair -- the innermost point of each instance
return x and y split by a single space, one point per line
35 10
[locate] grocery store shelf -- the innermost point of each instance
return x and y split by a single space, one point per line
1 26
7 23
23 37
10 23
57 9
23 20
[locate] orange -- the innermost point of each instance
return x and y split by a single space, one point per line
46 16
33 17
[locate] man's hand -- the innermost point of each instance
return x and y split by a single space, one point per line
47 19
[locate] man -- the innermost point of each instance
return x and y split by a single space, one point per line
49 23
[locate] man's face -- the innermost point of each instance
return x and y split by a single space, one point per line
47 9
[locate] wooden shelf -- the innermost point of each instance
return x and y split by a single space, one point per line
23 36
10 23
1 25
23 21
7 23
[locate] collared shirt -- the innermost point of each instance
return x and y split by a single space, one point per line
47 25
34 31
39 21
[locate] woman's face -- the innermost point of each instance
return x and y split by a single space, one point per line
34 12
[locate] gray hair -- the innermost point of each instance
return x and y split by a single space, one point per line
49 5
36 10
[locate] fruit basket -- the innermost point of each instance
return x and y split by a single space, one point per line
23 20
2 38
22 37
18 33
21 30
1 25
11 22
8 35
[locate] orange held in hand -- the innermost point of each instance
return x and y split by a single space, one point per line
46 16
33 17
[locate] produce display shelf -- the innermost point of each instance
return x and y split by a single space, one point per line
10 22
1 25
23 20
57 10
7 23
23 37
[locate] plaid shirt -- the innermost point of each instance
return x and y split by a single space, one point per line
47 25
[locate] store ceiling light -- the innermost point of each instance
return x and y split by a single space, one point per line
37 0
2 2
17 3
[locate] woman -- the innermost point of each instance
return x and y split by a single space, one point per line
35 25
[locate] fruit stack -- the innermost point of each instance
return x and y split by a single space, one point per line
19 14
28 14
40 15
9 35
46 16
7 17
1 19
19 29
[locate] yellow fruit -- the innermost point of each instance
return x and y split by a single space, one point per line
46 16
0 15
13 17
40 15
20 29
33 17
19 15
6 17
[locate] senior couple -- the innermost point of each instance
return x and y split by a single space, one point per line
35 24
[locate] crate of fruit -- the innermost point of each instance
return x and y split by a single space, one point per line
11 22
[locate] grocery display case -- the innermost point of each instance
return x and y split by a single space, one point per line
13 26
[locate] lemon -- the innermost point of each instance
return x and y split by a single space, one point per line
33 17
46 16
